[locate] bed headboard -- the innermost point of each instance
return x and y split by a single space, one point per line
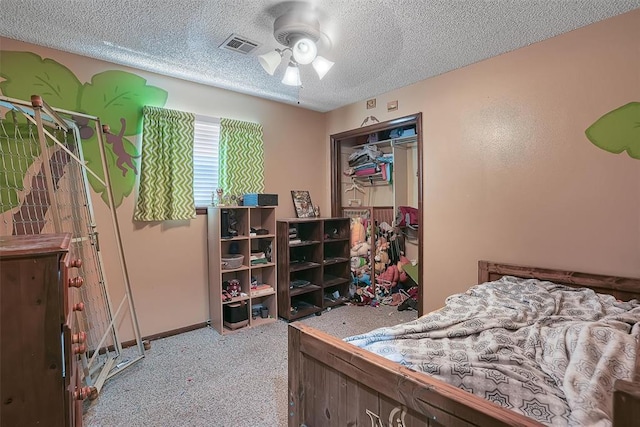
623 288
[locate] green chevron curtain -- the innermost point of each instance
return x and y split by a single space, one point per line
166 171
241 157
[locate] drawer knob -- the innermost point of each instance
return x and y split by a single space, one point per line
82 393
94 393
76 263
78 306
79 338
82 348
76 282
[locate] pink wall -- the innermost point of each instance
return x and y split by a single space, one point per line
508 173
168 261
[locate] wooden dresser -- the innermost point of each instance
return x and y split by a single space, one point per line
40 382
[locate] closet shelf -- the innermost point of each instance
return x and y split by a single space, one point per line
371 180
391 142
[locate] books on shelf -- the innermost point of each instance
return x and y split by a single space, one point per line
262 290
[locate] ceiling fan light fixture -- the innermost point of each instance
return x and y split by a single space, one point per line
270 61
292 75
298 30
322 66
304 51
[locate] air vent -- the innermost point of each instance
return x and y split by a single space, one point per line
239 44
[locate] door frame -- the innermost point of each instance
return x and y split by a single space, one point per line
359 136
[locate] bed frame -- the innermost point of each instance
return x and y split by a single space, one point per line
334 383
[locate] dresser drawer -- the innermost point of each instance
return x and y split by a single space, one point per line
38 372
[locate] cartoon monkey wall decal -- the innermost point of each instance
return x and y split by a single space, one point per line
117 145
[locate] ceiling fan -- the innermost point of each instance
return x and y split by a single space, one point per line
298 30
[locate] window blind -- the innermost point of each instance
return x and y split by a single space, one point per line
206 143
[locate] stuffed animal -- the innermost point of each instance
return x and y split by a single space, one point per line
382 250
381 257
391 276
360 249
379 266
362 277
358 234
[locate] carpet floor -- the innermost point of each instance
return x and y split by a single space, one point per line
201 378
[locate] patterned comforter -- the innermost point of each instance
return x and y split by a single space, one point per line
545 350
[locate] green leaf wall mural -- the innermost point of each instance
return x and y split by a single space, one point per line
28 74
115 96
618 130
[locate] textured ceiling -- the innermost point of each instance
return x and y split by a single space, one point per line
377 45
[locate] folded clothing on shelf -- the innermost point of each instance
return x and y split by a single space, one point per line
366 171
258 257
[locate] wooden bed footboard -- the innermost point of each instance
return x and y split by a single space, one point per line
334 383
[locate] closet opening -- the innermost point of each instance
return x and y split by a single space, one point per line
376 180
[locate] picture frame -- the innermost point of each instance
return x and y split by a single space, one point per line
302 204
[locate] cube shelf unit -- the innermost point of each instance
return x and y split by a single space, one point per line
313 265
244 220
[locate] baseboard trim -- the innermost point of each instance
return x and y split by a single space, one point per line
166 334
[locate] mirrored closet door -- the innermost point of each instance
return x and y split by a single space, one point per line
376 180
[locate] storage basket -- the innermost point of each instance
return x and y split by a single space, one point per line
231 261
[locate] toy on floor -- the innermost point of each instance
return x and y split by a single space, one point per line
365 296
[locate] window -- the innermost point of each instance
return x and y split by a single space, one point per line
206 143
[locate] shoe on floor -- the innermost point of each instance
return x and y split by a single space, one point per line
408 304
